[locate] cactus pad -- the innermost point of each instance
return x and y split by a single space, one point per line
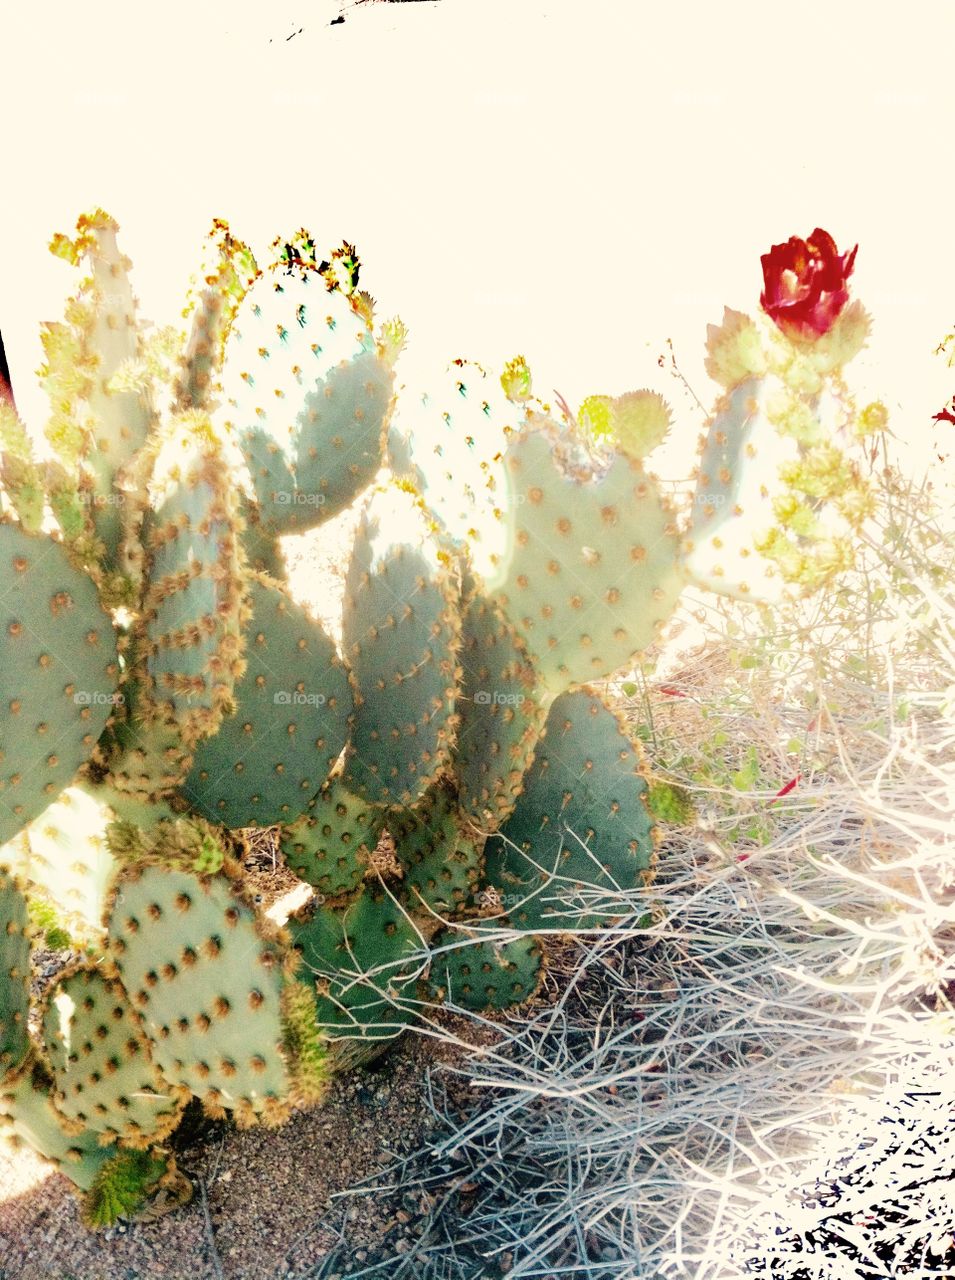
194 607
581 823
502 712
224 280
361 961
448 443
93 420
102 1069
27 1112
485 974
307 395
591 572
14 976
401 635
58 672
269 759
441 857
329 846
207 983
736 483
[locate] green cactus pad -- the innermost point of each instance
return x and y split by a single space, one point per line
146 763
207 984
339 445
360 959
14 976
307 397
485 974
502 709
194 606
103 1073
28 1114
401 627
330 845
92 420
222 283
292 706
591 572
68 861
448 443
440 855
581 822
58 673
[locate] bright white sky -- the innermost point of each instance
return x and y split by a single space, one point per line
576 180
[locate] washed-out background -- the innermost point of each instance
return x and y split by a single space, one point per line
577 182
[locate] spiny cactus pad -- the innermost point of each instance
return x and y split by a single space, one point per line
361 961
292 705
14 976
581 823
485 974
101 424
307 395
448 443
27 1113
103 1072
58 673
440 854
223 282
194 607
591 572
144 761
401 636
330 845
502 708
207 982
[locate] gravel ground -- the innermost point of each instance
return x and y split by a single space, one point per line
263 1207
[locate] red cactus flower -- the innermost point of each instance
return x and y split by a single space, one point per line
805 284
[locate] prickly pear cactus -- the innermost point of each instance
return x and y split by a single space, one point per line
445 779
